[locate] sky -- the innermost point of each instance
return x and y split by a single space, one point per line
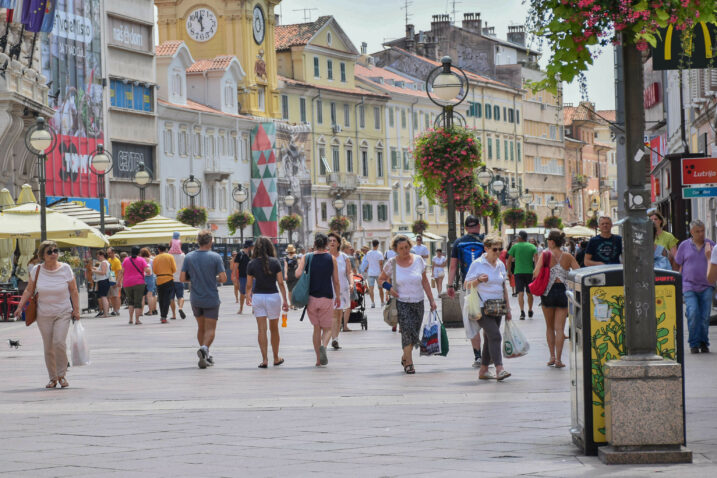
376 21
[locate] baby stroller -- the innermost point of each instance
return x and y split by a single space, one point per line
358 302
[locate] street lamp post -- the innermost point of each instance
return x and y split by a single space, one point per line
421 210
141 179
40 139
101 164
485 178
289 201
594 207
239 194
192 187
338 204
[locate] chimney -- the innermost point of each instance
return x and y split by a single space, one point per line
488 31
410 38
440 22
430 49
472 22
516 34
364 47
410 31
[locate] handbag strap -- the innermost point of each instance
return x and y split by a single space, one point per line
37 275
135 266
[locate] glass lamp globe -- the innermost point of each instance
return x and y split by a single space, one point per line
447 86
289 200
338 204
100 161
484 177
498 185
141 178
239 194
513 192
421 208
192 187
40 139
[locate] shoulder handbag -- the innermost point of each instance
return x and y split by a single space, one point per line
300 294
538 286
31 311
390 310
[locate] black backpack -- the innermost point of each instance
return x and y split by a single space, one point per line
291 266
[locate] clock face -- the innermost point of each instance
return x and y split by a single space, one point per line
258 24
201 24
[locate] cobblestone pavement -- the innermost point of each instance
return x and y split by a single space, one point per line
143 408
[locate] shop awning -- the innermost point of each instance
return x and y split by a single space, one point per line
157 230
579 231
89 216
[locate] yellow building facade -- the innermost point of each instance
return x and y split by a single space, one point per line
243 28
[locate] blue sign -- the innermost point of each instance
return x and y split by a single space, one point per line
707 192
92 203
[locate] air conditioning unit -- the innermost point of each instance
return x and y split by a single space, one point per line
336 128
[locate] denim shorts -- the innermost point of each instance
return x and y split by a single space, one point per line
555 297
177 291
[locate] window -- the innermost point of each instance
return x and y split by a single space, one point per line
342 66
490 147
261 98
475 110
330 69
168 142
222 144
517 116
511 151
553 131
324 212
497 148
406 161
364 163
212 196
319 112
349 160
284 107
332 109
407 205
351 210
302 109
362 116
367 211
394 159
505 148
231 142
390 117
317 70
171 196
396 206
347 116
182 138
336 159
197 143
511 115
322 161
136 97
376 117
229 94
428 125
379 163
517 153
505 116
382 212
403 119
496 113
487 111
415 120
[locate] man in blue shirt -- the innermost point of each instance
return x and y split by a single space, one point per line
605 248
204 268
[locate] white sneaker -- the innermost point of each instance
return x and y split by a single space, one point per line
476 363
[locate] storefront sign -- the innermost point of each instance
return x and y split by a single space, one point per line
699 171
651 95
707 192
129 34
126 158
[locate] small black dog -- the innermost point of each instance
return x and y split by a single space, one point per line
14 343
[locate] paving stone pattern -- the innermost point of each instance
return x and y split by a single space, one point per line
144 409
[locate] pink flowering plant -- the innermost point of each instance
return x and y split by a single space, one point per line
531 219
447 158
193 216
553 222
575 29
484 205
139 211
514 217
339 224
239 220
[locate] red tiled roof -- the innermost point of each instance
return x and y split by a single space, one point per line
297 34
348 91
585 112
167 48
368 73
609 115
193 105
219 63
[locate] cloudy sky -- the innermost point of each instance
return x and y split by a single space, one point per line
376 21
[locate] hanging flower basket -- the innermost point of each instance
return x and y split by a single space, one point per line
419 226
592 223
194 216
289 223
531 219
553 222
339 224
239 220
514 217
139 211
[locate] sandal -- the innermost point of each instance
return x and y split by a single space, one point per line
488 376
263 365
552 362
63 382
559 364
131 323
409 369
51 384
138 322
503 375
276 364
403 362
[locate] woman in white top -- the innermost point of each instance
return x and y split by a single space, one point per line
437 265
343 264
102 278
411 284
57 302
488 274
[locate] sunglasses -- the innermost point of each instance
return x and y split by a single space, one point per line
497 249
52 251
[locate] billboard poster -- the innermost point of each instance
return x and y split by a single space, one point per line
72 62
263 180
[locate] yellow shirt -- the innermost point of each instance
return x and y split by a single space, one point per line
164 267
115 265
666 240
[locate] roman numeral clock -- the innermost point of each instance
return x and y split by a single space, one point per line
258 24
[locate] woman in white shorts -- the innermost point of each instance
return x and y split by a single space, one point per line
437 265
264 274
343 263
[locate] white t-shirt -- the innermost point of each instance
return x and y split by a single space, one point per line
53 298
374 258
409 280
100 276
493 289
341 266
390 254
438 263
713 258
179 260
420 250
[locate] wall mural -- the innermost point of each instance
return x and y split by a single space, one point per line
263 180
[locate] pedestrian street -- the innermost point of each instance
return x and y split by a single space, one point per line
143 408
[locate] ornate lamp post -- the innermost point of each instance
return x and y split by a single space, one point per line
101 164
289 201
240 195
513 192
527 198
192 187
141 179
39 140
421 209
338 204
594 207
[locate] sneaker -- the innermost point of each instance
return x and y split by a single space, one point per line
530 314
164 321
210 361
694 350
173 318
202 358
114 314
182 314
477 362
704 349
335 344
522 315
323 359
373 306
99 314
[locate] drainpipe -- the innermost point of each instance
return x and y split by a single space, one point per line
314 150
413 129
359 212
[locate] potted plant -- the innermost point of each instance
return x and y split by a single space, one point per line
514 217
531 219
339 224
239 220
553 222
139 211
419 226
193 216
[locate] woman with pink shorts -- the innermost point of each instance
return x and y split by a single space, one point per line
322 300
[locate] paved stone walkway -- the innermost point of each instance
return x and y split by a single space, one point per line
143 408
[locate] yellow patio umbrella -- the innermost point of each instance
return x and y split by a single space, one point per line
7 246
579 231
156 230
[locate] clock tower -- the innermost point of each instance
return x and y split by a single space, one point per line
243 28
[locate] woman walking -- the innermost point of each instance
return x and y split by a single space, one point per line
234 268
134 268
410 285
150 284
341 312
437 270
57 302
554 301
322 300
664 238
263 275
291 263
348 249
102 279
488 275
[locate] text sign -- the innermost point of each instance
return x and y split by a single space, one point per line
699 171
129 34
126 158
691 193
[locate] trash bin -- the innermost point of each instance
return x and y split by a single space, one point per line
596 298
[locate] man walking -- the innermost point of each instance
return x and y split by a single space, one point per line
242 260
176 298
164 268
605 248
465 250
419 249
524 254
203 268
116 289
373 263
692 259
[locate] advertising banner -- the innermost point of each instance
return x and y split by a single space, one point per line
71 57
263 180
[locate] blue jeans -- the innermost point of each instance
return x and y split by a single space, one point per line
699 307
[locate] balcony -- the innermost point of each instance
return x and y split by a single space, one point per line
579 182
342 183
604 185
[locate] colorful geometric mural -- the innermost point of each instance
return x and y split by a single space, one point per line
263 180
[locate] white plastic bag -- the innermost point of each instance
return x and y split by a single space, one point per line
514 342
78 345
474 304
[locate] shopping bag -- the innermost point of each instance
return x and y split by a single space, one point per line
444 337
431 340
78 345
538 286
514 342
300 294
474 304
